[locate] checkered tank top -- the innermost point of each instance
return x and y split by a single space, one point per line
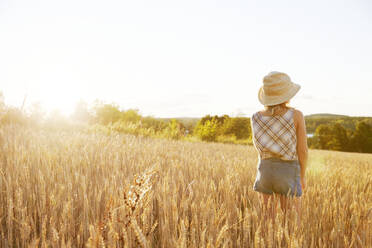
275 136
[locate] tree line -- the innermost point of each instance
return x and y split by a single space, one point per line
329 132
334 136
224 128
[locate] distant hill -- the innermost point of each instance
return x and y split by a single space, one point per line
349 122
325 115
312 121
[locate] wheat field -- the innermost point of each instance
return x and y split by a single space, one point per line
89 189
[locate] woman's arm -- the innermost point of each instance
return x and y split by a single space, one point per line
302 149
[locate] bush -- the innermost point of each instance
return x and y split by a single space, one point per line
107 113
131 128
240 127
174 130
207 131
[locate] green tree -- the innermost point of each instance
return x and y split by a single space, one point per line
208 130
107 113
218 119
362 137
330 137
174 130
339 140
322 136
131 115
238 126
151 122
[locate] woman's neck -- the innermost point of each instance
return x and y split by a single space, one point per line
275 110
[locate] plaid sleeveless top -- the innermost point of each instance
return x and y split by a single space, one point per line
275 136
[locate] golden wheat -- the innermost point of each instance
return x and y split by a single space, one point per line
89 189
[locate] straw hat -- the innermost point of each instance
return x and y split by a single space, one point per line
277 88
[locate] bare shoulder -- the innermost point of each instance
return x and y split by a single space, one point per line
298 117
297 114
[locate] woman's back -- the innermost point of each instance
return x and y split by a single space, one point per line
275 135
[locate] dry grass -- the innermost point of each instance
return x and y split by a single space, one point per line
76 189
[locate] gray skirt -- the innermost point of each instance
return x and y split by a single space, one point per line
278 176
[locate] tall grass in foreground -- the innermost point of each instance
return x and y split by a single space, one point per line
80 189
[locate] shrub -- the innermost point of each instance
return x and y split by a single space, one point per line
174 130
207 131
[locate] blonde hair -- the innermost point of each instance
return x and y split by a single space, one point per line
274 109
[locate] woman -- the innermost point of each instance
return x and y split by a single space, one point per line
279 135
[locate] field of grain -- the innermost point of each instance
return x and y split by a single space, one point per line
83 189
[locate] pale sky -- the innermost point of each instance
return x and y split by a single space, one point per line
186 58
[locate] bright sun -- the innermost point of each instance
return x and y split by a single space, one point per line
62 101
64 106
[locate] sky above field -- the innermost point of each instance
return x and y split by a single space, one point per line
186 58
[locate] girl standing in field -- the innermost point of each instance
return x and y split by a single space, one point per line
279 136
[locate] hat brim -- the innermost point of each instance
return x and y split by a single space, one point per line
270 101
